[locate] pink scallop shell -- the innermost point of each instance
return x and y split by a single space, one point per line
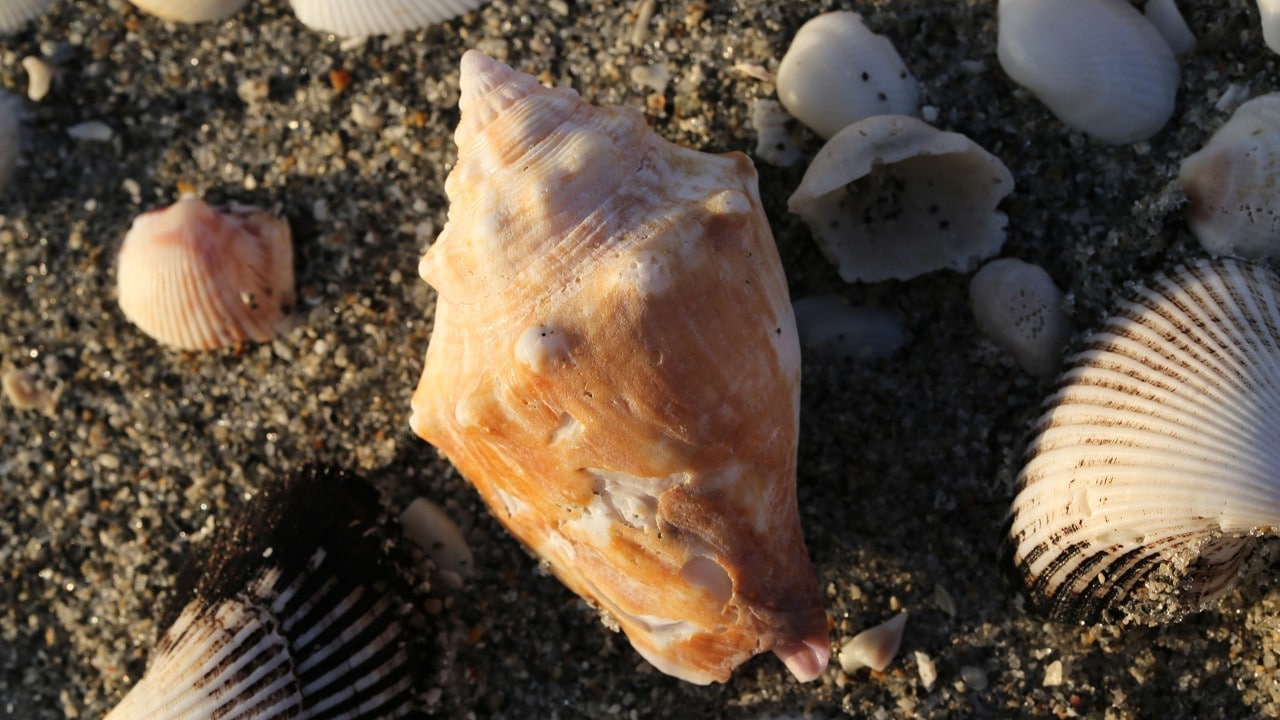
198 278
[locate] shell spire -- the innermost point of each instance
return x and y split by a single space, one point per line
614 366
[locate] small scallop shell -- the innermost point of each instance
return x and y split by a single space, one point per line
837 72
1231 183
16 13
892 197
1017 305
1269 10
10 136
589 278
295 610
1099 65
1156 462
199 278
189 11
349 18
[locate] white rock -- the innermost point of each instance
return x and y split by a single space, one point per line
1053 674
928 671
874 647
837 72
39 77
1019 308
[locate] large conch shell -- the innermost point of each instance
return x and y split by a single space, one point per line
615 367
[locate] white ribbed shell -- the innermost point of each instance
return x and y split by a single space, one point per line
837 72
1157 460
16 13
189 11
1099 65
892 197
352 18
1231 183
200 278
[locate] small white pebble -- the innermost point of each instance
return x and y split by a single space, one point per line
39 77
654 77
253 90
91 131
1053 674
928 671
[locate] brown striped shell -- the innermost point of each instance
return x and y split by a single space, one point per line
296 609
1156 464
198 278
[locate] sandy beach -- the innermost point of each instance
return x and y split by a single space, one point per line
906 463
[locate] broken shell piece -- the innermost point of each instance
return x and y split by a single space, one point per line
1098 65
1154 469
294 611
874 647
827 323
16 13
588 278
39 77
27 390
189 11
1231 183
434 531
1165 17
200 278
893 197
377 17
776 143
10 136
1017 305
837 72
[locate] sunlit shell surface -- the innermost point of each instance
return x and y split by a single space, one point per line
296 610
349 18
197 277
615 367
1099 65
16 13
891 196
1231 183
189 11
1269 10
1156 463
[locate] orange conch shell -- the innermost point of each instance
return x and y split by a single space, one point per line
615 368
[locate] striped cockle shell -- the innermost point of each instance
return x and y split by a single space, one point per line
16 13
189 11
348 18
614 366
1156 463
1231 183
296 610
891 196
197 277
1099 65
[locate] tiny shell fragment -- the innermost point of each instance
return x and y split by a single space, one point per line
874 647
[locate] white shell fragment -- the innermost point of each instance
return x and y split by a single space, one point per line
837 72
1231 183
827 323
198 278
1018 306
874 647
1165 17
10 136
189 11
776 143
39 77
16 13
1270 12
434 531
1099 65
1156 465
297 611
893 197
377 17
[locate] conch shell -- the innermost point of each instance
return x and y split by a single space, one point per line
615 367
